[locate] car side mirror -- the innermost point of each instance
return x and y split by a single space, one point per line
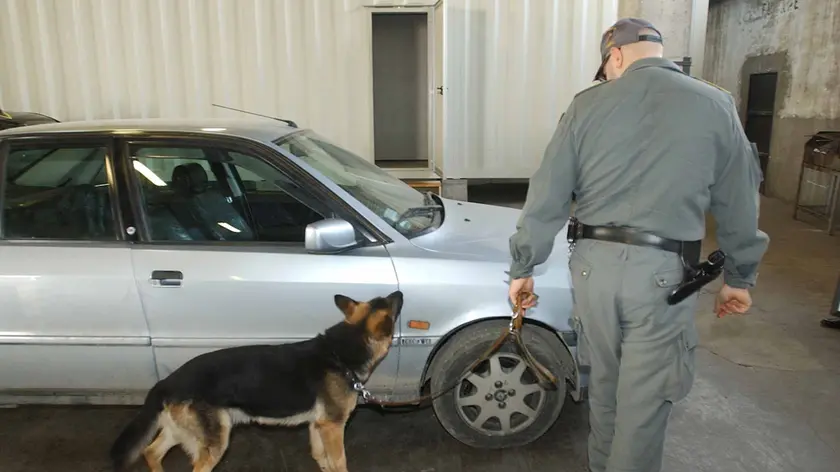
330 236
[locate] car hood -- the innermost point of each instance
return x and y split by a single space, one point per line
473 231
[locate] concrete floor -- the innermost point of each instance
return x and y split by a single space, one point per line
765 398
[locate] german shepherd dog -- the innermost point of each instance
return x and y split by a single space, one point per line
310 381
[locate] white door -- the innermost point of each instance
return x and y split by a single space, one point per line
71 321
221 261
438 88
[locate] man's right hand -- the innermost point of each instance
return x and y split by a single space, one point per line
732 300
517 286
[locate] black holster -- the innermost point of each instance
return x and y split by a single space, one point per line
697 276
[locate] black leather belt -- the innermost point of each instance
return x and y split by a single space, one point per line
689 250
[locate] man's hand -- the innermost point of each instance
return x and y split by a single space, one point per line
730 300
517 286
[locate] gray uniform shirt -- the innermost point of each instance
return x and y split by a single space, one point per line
652 150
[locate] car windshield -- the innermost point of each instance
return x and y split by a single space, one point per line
407 210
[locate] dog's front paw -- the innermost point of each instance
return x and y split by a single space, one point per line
326 465
323 464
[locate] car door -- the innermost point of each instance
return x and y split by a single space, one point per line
221 261
71 320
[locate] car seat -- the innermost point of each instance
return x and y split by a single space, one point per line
205 212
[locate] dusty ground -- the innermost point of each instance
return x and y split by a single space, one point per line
765 398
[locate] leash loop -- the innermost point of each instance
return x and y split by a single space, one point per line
545 378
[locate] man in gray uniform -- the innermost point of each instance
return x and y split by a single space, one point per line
646 152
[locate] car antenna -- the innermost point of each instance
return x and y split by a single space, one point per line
288 122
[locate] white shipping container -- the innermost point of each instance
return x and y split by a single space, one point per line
507 68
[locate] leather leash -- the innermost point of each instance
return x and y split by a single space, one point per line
513 332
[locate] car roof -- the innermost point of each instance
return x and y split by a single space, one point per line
263 129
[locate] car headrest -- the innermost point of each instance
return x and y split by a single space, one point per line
189 178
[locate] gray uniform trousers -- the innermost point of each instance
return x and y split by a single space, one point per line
640 349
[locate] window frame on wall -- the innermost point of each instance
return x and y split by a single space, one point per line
254 150
60 140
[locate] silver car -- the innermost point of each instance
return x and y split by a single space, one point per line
129 247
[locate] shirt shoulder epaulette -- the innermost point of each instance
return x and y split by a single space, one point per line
590 87
711 84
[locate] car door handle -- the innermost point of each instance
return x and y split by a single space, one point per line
167 278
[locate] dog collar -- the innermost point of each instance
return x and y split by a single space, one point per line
353 380
357 384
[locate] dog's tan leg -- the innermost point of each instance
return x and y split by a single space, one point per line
317 447
216 442
156 451
206 461
332 435
208 458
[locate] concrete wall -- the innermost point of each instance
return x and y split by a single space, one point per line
681 22
671 17
800 40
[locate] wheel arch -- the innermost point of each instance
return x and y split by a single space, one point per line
571 375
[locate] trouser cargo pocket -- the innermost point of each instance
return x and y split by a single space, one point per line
582 348
580 270
681 377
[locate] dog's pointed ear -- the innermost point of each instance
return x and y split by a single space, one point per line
346 304
395 301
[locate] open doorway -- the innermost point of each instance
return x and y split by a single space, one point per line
761 103
401 90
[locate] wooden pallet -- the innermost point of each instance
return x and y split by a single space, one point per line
423 180
426 185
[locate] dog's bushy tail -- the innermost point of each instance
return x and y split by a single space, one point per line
137 435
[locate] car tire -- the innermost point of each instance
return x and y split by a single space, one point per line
455 410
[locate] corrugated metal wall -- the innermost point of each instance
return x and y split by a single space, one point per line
511 66
308 60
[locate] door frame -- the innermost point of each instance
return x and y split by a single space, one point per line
750 112
263 152
115 192
437 87
776 62
431 80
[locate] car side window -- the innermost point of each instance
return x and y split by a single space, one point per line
211 194
57 193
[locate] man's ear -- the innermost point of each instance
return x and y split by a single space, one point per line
618 54
346 304
395 300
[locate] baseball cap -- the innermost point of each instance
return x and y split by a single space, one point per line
625 31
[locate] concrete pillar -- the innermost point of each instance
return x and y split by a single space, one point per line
697 35
682 23
455 189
